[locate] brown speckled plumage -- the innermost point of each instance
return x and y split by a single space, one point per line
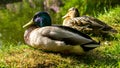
86 24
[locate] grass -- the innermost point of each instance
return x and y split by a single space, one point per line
106 56
24 56
14 55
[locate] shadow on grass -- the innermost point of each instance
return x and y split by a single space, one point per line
94 59
104 37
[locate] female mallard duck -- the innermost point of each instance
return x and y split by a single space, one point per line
40 34
86 23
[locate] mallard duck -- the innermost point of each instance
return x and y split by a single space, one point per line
41 34
86 23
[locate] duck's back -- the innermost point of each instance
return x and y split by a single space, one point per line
87 23
57 33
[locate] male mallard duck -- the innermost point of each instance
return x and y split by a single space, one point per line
40 34
86 23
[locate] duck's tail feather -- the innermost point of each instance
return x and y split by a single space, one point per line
90 45
110 31
113 31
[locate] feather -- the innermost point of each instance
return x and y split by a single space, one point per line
41 34
66 34
86 23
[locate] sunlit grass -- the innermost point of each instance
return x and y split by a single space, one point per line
111 17
107 55
24 56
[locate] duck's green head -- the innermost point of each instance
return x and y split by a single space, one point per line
40 19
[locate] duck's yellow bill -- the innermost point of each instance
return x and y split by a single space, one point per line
29 23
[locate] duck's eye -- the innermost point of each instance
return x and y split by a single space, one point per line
35 17
37 20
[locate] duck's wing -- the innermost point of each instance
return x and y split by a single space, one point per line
91 22
83 21
66 34
95 24
94 19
